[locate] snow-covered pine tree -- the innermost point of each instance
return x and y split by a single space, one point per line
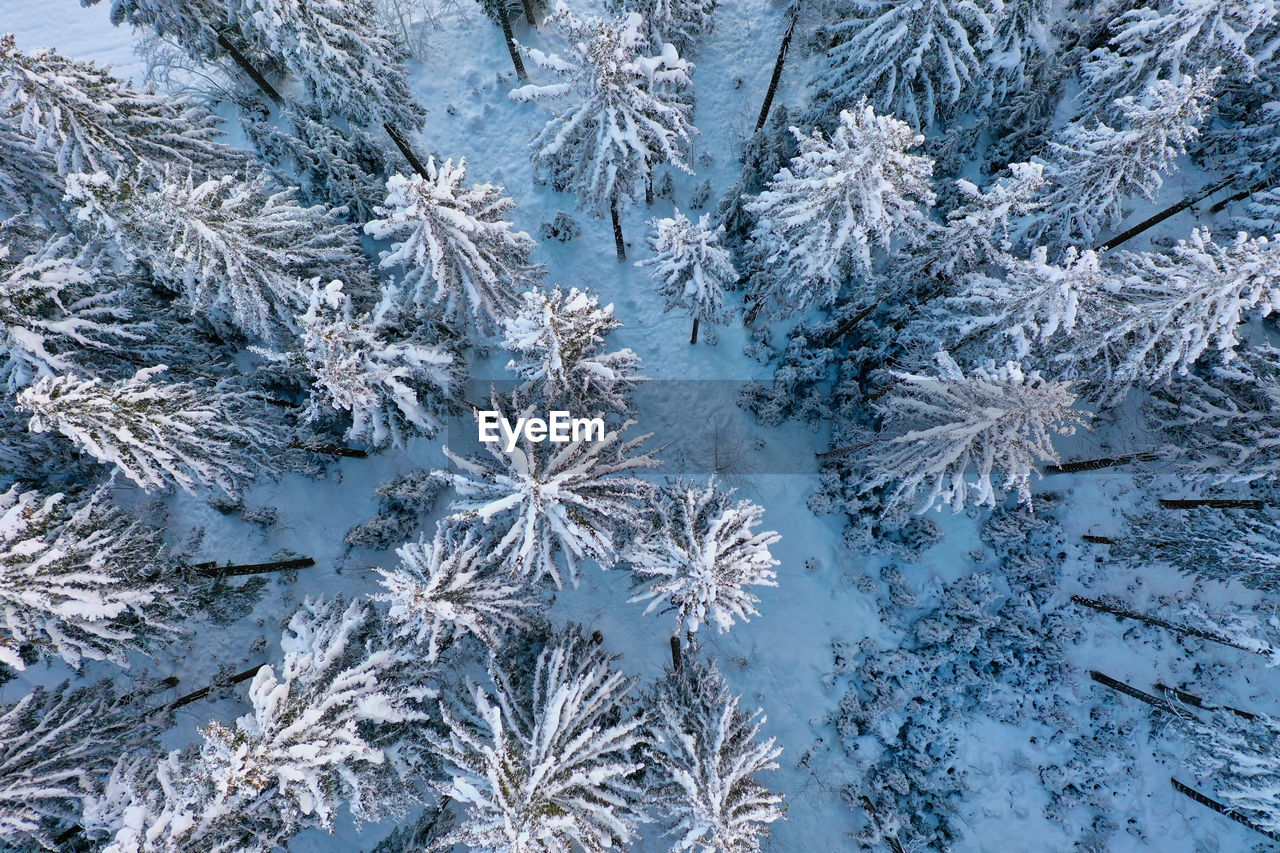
546 762
389 380
234 249
455 245
701 555
1173 308
444 589
158 434
1177 38
194 24
91 122
540 500
820 217
1093 170
342 168
56 748
81 580
691 267
50 312
314 739
704 755
938 430
919 60
1221 420
1021 39
628 113
1036 302
1215 544
28 175
349 65
558 338
1242 756
979 231
683 23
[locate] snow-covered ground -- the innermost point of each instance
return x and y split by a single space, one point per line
781 661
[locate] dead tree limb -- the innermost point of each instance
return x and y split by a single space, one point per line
250 69
1099 464
1211 503
1142 696
394 133
1196 702
332 450
777 68
197 695
1122 612
1098 540
1221 809
1242 194
212 570
1156 219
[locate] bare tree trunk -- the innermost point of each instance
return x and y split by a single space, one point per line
403 144
404 28
1212 503
1218 807
504 20
1242 194
1142 696
196 695
1152 221
332 450
1196 702
248 68
648 186
1122 612
693 338
618 242
1098 464
530 14
677 660
1098 540
212 570
777 68
397 138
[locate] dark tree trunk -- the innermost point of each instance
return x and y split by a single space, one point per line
677 659
1142 696
648 186
504 20
403 145
1218 807
248 68
1242 194
211 570
777 69
1098 464
1098 540
693 337
530 13
196 695
1212 503
1122 612
1196 702
397 138
332 450
1152 221
618 242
